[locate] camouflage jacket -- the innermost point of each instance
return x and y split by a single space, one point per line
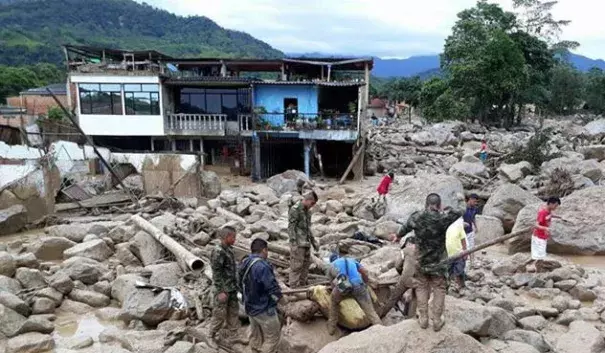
299 226
429 228
224 269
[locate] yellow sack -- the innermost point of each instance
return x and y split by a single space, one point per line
351 316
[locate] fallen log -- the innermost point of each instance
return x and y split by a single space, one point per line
186 259
435 150
353 161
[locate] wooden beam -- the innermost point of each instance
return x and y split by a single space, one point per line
353 161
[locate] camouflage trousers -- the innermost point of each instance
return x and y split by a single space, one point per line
300 260
362 296
225 314
428 284
265 331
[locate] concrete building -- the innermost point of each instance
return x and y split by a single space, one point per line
255 116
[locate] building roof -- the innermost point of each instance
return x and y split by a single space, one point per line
58 89
377 103
211 80
117 54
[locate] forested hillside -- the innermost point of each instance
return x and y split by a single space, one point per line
32 31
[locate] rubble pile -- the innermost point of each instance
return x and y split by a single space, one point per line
105 264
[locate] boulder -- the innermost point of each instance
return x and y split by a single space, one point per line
147 249
475 319
85 270
52 294
211 184
122 233
514 173
242 206
334 206
381 260
15 303
37 323
43 306
30 278
50 248
305 337
151 309
591 169
10 321
510 265
534 339
10 284
126 257
582 337
94 249
62 282
407 337
71 306
165 275
123 285
385 228
287 181
79 342
26 260
78 231
32 342
488 228
12 219
91 298
511 347
7 264
506 202
411 196
181 347
582 234
594 152
469 166
533 323
595 128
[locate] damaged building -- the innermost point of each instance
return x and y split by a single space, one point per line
256 117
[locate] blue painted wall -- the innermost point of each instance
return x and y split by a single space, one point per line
272 98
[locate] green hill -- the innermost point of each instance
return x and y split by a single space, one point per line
33 31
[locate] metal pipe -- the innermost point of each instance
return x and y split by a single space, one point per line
186 260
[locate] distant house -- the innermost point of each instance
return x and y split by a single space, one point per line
37 101
221 108
377 107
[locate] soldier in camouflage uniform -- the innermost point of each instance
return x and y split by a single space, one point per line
429 227
301 239
224 279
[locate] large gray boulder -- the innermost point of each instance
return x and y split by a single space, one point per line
30 278
10 284
146 248
78 231
514 173
594 152
306 337
94 249
286 181
211 184
83 269
511 347
50 248
469 166
15 303
32 342
410 196
582 337
488 228
475 319
532 338
151 309
407 337
12 219
595 128
10 321
506 202
582 233
7 264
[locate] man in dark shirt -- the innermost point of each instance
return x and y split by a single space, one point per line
429 227
470 227
261 293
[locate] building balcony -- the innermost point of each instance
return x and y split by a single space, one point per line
207 124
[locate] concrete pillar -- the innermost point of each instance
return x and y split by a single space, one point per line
191 145
245 153
307 147
152 144
173 145
202 151
256 151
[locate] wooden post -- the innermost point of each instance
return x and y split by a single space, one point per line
367 80
353 161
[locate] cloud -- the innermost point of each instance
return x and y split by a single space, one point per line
388 28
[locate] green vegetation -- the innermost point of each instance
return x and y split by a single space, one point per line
496 63
33 31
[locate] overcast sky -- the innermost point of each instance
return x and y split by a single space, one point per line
384 28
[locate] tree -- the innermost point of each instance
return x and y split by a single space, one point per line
566 89
536 19
595 91
486 66
438 103
411 93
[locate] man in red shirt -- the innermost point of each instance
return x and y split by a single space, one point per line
541 234
383 187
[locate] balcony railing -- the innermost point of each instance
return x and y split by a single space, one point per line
196 124
304 121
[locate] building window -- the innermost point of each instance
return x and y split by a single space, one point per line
101 99
228 101
142 99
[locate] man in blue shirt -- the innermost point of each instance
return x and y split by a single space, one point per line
261 293
349 270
